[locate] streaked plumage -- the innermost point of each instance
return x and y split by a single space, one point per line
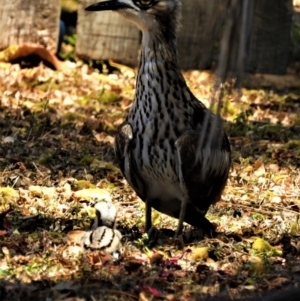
103 236
158 146
106 213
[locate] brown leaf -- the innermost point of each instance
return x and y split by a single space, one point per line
278 282
259 168
156 258
132 266
104 137
74 237
98 258
13 52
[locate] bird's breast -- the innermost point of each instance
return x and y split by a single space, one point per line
156 159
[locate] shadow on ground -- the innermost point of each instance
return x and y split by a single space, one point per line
58 128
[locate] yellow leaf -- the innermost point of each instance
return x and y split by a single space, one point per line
248 168
7 196
82 184
9 193
48 193
98 165
200 253
95 194
261 245
294 230
279 177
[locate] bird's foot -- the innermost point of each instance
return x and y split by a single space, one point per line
211 232
179 241
152 236
178 232
159 237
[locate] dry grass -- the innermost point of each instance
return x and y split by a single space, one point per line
56 139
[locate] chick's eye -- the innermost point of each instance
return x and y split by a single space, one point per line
146 2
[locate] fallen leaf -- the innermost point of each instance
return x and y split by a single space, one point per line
200 253
74 237
8 139
93 194
48 193
72 252
259 168
18 51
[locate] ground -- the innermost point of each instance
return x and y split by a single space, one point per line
56 139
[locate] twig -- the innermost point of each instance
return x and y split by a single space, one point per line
37 169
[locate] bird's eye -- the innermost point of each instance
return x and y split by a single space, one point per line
146 2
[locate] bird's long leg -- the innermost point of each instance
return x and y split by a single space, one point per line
181 216
148 217
185 197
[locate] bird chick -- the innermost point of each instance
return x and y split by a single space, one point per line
106 213
102 238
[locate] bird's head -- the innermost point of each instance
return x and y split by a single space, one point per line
146 14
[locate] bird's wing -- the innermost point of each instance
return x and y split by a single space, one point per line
204 170
122 144
123 149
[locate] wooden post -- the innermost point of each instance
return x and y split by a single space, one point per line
106 35
271 37
30 22
190 36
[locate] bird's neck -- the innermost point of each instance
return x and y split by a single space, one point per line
159 45
158 69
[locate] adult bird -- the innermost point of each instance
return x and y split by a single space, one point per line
172 164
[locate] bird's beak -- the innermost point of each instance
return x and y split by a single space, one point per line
107 5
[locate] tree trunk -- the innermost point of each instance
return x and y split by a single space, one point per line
29 21
106 35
